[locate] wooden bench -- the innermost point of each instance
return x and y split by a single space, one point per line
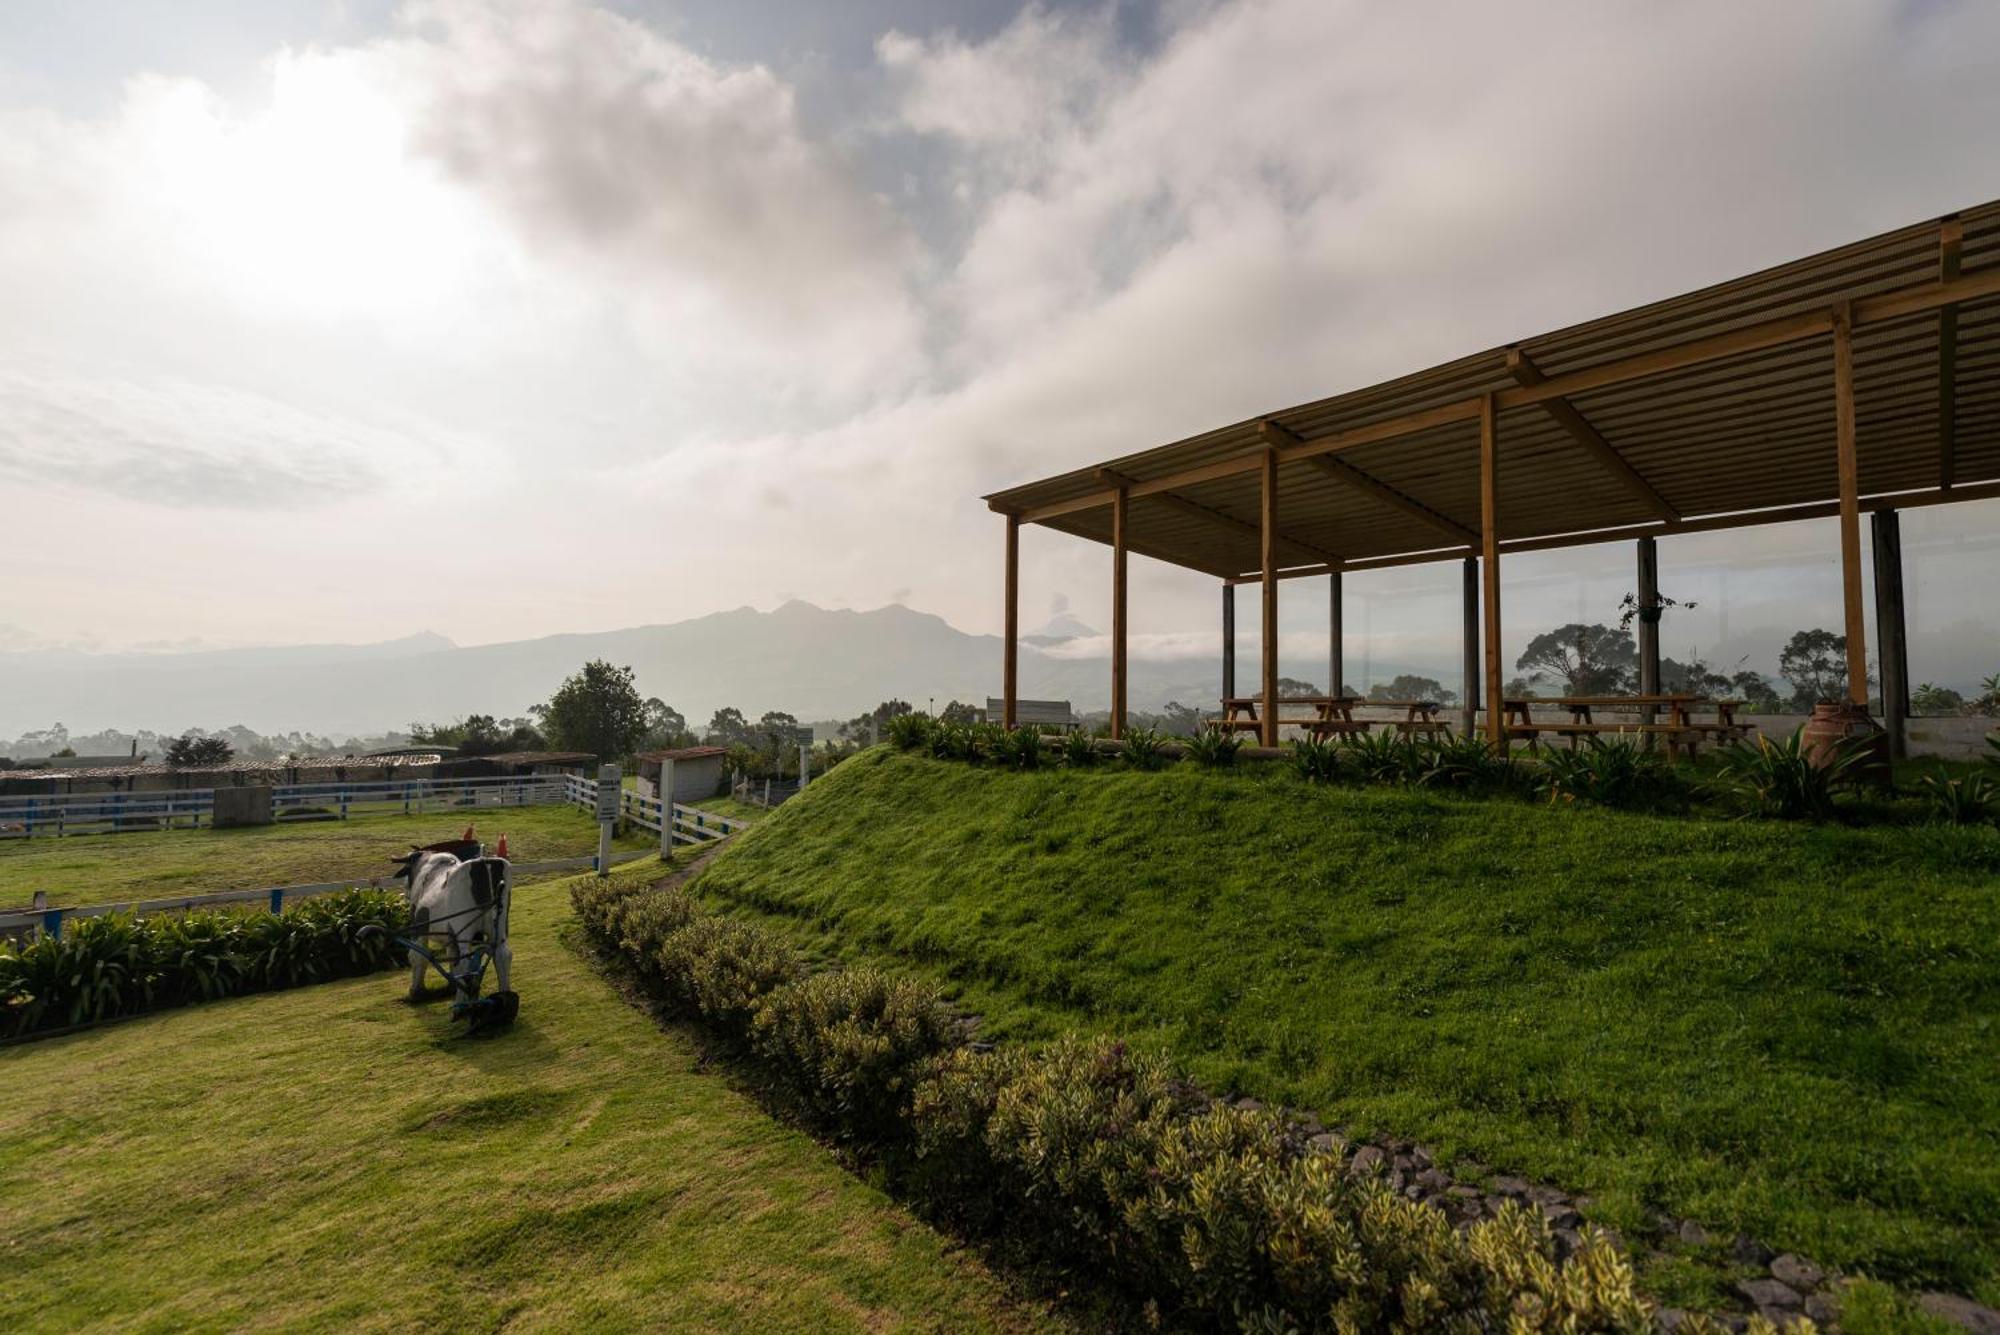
1332 716
1032 713
1420 717
1681 729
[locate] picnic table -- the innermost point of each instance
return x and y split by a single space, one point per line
1680 729
1333 715
1419 716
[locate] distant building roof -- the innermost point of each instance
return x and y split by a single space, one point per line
232 767
414 751
539 757
684 753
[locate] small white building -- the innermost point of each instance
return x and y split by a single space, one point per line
698 772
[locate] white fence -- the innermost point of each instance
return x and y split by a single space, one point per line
102 813
692 825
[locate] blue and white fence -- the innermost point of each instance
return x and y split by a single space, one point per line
691 825
103 813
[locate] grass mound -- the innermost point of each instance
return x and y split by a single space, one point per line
1785 1030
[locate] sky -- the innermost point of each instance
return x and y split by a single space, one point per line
336 320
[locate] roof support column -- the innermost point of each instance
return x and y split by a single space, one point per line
1951 240
1010 660
1118 508
1850 505
1469 687
1489 546
1267 543
1649 624
1887 531
1228 641
1335 667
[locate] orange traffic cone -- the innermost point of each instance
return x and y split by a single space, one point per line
500 850
467 836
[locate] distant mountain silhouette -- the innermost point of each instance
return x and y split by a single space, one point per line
809 661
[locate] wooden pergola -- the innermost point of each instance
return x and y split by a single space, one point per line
1862 379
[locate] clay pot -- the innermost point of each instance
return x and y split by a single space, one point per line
1835 721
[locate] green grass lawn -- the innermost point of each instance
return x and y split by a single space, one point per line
98 868
329 1157
1788 1030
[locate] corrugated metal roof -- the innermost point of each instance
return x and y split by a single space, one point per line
1752 430
684 753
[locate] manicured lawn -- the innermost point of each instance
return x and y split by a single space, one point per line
330 1158
97 868
1787 1030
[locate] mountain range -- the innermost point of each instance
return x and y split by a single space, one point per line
811 662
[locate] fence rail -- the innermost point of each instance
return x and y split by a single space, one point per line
692 825
99 813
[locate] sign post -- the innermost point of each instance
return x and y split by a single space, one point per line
608 780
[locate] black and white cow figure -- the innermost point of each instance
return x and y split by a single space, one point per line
459 901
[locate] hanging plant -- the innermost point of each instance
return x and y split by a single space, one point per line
1630 609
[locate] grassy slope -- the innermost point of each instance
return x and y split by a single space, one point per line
95 868
1782 1029
327 1157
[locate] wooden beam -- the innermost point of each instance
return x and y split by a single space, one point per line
1304 551
1228 640
1268 512
1118 509
1782 514
1522 367
1276 433
1336 634
1951 240
1011 660
1850 504
1469 690
1489 541
1648 573
1892 650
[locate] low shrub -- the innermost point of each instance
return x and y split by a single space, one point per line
1145 749
1315 759
852 1045
119 964
1970 800
1463 763
1078 749
1212 748
1385 757
1020 748
1613 773
911 732
954 741
1785 780
1100 1159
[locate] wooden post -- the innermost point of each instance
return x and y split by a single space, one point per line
1118 517
1951 240
1335 667
1469 692
1489 546
1011 652
1850 505
1267 536
1649 624
1887 530
666 808
1228 640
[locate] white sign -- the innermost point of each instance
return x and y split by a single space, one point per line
608 779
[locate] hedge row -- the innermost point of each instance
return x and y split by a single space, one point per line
1099 1159
119 964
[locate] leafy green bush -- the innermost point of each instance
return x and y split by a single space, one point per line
721 970
1212 748
1020 748
1607 773
1971 800
853 1044
1079 749
1315 759
1461 763
1145 749
118 964
1385 757
911 732
1785 780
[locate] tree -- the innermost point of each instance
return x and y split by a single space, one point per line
665 726
778 731
1589 660
480 735
1409 686
1693 677
1179 720
598 710
865 728
191 751
1814 663
1291 688
956 712
727 727
1931 698
1758 695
